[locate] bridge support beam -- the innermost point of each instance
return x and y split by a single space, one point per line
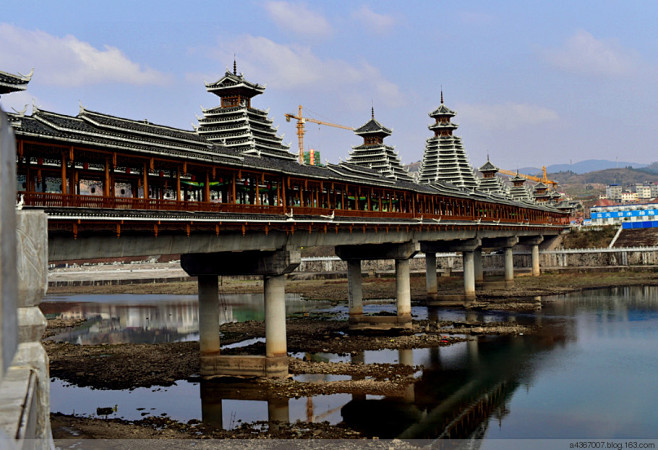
478 268
508 258
275 316
430 274
401 253
468 248
533 242
272 265
354 289
208 315
403 290
468 260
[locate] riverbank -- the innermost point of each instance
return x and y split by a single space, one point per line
127 366
553 283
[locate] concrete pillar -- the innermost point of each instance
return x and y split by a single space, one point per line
275 315
477 260
211 413
278 410
469 274
208 314
406 357
535 260
430 273
403 288
354 290
509 267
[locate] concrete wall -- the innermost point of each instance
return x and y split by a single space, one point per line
24 377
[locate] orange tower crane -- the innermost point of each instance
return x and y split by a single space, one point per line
544 179
301 120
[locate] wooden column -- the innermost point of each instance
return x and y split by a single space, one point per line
145 181
207 188
233 189
178 184
64 186
106 183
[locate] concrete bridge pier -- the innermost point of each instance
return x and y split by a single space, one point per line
354 289
534 242
478 268
430 274
272 265
506 244
467 247
401 253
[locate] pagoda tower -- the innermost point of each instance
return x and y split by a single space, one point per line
541 193
235 124
444 159
373 153
490 182
519 191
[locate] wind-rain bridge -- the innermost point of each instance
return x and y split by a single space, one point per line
232 200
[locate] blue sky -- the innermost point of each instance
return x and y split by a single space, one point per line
533 82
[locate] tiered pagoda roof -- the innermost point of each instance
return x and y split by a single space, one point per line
235 124
519 191
373 153
12 83
489 181
541 194
445 159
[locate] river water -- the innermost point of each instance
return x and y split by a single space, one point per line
591 372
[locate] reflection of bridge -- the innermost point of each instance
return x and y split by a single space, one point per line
450 402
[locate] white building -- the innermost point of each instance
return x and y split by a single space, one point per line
643 191
633 214
628 197
613 192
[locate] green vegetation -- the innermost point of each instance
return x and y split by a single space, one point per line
596 237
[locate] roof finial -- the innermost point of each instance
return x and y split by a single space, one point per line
235 65
442 94
372 111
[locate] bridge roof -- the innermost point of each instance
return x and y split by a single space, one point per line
134 137
12 83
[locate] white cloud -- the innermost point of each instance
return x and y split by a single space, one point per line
378 23
67 61
297 18
292 67
583 54
507 116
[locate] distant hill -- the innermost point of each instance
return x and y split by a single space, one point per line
590 165
623 176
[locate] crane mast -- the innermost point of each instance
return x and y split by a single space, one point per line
301 120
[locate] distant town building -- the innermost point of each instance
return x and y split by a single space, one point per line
373 153
654 190
638 215
628 197
613 192
643 191
445 159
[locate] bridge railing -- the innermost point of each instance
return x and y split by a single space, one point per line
54 200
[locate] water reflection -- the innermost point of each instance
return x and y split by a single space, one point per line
115 319
590 372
